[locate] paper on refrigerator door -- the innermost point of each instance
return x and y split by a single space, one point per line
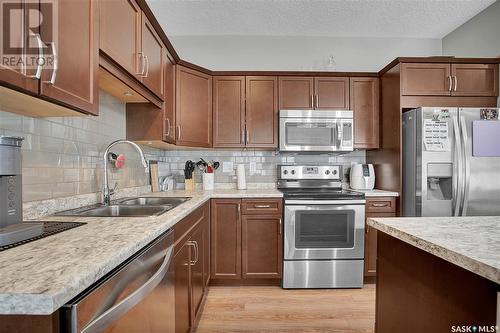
436 135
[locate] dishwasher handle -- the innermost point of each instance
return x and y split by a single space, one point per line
112 314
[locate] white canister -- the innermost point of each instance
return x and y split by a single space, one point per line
208 181
240 177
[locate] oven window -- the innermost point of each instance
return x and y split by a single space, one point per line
310 134
324 229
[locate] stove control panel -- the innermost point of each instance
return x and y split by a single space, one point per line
331 172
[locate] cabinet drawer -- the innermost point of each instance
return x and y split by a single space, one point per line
381 205
262 206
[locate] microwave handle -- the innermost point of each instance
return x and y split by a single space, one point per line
339 135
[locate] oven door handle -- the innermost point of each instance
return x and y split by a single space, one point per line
325 202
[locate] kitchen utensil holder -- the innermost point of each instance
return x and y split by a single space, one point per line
208 181
189 184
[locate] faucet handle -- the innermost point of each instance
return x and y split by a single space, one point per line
113 190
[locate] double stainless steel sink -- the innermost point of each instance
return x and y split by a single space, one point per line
130 207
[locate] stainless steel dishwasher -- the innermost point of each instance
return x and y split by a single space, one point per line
136 297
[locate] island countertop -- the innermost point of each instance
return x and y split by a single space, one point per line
470 242
39 277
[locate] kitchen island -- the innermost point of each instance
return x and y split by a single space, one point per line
437 274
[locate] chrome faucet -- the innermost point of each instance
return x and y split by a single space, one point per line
106 191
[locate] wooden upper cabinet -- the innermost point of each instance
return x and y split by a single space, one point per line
153 56
193 108
169 104
365 105
262 111
261 246
226 239
296 93
72 80
120 33
11 72
228 111
431 79
331 93
475 79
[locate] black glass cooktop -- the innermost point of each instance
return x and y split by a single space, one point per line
49 228
321 194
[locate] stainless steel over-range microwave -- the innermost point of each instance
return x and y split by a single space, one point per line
316 130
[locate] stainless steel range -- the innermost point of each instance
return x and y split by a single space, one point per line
323 228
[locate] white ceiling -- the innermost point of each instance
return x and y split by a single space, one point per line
333 18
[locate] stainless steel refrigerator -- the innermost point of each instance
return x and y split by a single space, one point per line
451 162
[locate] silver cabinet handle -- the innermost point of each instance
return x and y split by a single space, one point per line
167 125
317 100
243 136
146 59
457 191
312 101
197 254
193 244
247 136
279 227
39 65
239 209
143 64
450 83
112 314
178 132
380 204
456 83
466 178
262 206
55 65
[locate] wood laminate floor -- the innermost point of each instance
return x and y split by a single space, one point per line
272 309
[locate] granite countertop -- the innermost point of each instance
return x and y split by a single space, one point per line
470 242
378 193
39 277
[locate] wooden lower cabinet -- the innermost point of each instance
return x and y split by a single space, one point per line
246 246
261 246
375 207
190 266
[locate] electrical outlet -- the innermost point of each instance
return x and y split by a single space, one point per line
227 167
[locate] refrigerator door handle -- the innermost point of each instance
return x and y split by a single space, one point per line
457 182
466 173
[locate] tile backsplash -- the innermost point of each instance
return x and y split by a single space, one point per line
62 156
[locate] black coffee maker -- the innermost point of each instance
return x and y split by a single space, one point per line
12 229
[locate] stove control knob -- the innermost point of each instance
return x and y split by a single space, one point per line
293 172
285 172
335 172
327 172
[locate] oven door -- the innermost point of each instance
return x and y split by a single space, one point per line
324 229
315 134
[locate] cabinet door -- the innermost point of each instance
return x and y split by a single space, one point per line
14 69
331 93
182 294
426 79
475 79
169 104
205 252
370 269
153 52
262 112
226 239
72 77
261 242
296 93
197 266
193 108
228 111
120 33
365 105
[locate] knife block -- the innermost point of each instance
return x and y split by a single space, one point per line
189 184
